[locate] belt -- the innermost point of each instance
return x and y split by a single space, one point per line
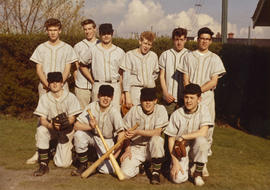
107 81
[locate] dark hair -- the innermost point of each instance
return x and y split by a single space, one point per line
88 21
205 30
179 32
148 94
52 22
193 89
106 90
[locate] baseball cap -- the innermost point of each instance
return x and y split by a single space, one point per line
148 94
54 77
192 89
106 28
106 90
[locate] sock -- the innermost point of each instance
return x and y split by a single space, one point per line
83 158
156 165
43 156
198 169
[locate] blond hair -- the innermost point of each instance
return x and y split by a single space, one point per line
148 35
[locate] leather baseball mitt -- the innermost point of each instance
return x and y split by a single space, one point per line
180 149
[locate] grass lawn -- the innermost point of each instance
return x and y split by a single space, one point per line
239 161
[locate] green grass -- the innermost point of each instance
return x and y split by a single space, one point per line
239 161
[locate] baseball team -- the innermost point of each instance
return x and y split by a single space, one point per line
107 79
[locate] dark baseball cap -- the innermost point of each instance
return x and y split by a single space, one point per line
106 90
192 89
105 28
54 77
148 94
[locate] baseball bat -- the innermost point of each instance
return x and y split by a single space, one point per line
116 167
93 167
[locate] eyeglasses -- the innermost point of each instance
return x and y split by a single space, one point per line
205 39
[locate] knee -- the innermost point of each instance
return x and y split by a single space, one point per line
180 178
202 143
129 171
42 131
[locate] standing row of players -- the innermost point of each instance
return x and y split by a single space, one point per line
108 77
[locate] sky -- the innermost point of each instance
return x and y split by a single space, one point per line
162 16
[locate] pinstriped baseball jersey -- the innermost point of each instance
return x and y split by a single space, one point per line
201 68
109 121
49 106
79 49
142 70
53 58
157 119
169 61
104 62
182 123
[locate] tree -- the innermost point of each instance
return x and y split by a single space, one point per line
28 16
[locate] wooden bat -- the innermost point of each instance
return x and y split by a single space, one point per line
116 167
93 167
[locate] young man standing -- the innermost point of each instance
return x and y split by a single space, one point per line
83 84
51 56
140 69
109 121
189 125
104 60
204 68
171 80
145 142
57 110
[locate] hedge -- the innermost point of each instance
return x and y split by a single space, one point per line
242 95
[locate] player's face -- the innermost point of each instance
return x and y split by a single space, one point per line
89 31
53 33
104 101
145 46
148 106
204 41
191 102
106 38
56 86
179 42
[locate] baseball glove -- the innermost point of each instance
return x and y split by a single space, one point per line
180 149
65 127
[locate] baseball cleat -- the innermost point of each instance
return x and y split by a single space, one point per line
198 181
43 169
33 159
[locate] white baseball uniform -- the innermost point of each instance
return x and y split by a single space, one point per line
140 71
182 123
169 61
49 107
53 58
82 86
200 68
109 123
105 69
144 148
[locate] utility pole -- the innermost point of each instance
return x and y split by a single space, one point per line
224 21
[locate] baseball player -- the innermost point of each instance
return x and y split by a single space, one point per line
189 123
83 84
145 142
57 110
140 69
109 121
51 56
204 68
170 79
104 60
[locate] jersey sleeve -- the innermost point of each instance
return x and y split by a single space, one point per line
161 119
36 56
118 122
71 56
129 117
74 105
162 61
218 67
156 67
42 109
84 116
205 117
126 66
86 57
173 126
183 66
